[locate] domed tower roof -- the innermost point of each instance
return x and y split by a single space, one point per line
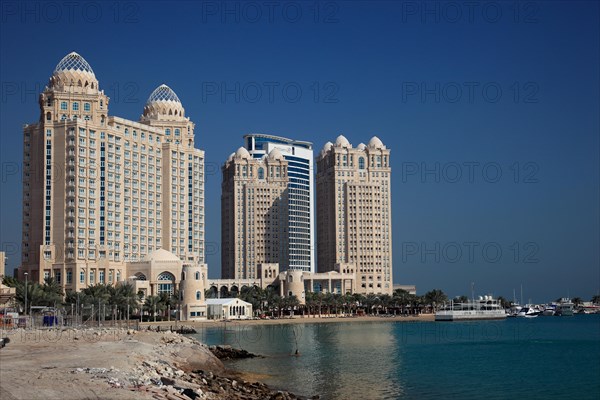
375 143
361 146
327 146
73 71
164 104
275 154
341 141
230 158
161 255
242 153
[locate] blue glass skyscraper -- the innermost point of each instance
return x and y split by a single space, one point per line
299 155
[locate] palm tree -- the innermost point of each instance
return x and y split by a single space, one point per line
401 298
385 302
309 302
290 303
125 299
253 295
153 305
435 298
462 299
47 294
504 303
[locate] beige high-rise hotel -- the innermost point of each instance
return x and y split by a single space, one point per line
254 213
99 190
354 220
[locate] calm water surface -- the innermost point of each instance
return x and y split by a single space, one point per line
538 358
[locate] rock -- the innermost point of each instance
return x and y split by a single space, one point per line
167 381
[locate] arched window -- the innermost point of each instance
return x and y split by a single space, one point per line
167 132
48 116
177 132
198 295
261 173
197 276
140 277
166 283
361 163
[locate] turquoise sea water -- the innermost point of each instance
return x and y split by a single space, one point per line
538 358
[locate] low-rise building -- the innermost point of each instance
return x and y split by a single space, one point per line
229 308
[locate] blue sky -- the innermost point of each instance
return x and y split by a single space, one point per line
491 112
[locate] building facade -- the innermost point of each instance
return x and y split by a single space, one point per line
354 221
254 213
300 195
2 264
99 190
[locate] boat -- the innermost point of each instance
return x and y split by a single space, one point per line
529 311
565 308
549 310
485 307
513 311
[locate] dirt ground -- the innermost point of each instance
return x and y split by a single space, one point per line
91 364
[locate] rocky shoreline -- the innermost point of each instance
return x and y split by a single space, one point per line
125 364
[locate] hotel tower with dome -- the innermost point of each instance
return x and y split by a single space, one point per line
100 191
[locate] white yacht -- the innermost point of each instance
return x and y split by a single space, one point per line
564 308
529 311
485 307
549 310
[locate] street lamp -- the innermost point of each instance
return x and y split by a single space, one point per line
26 292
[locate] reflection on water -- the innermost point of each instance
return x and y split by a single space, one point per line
544 358
337 361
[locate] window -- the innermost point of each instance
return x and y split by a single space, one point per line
63 105
261 173
166 286
101 277
81 277
69 277
198 295
197 276
361 163
167 132
86 107
91 276
177 132
75 106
